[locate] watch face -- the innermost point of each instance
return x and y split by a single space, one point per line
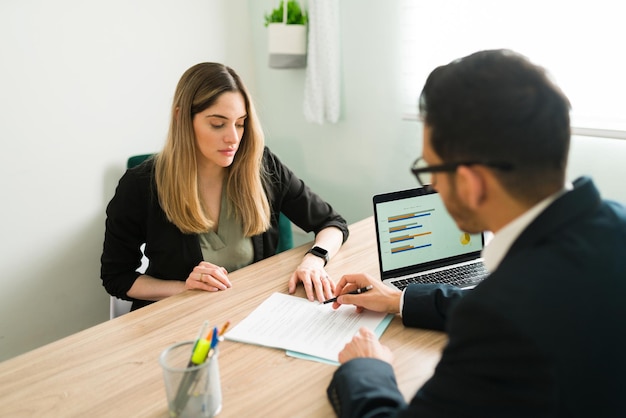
319 251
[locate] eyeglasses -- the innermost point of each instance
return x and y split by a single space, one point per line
423 172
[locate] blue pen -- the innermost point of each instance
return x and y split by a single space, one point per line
214 341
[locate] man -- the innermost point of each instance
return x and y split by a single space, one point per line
545 334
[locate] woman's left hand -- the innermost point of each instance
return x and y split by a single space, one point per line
316 281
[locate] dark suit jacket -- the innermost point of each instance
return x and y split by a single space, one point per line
543 336
134 217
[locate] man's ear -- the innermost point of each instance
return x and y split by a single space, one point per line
471 185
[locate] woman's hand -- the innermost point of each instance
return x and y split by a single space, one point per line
209 277
365 344
316 281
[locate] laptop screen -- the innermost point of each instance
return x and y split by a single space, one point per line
415 233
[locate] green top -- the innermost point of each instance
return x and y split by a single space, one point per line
227 247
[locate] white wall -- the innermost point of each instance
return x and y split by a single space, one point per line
603 159
84 84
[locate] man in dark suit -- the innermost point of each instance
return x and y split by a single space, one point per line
545 334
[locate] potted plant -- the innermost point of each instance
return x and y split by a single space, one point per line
287 35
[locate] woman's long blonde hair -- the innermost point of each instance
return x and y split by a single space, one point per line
176 170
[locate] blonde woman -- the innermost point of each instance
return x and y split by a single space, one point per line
208 203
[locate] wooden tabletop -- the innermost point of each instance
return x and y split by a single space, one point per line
112 369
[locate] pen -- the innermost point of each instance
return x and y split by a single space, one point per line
214 338
354 292
224 328
214 341
198 342
198 355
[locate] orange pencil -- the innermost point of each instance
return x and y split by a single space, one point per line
224 328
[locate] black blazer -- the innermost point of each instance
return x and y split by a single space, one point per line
543 336
134 217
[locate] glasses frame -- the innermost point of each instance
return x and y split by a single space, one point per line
450 167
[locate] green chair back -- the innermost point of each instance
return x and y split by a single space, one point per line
135 160
285 234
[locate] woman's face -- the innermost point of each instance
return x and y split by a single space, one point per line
219 129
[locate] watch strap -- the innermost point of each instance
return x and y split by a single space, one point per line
319 252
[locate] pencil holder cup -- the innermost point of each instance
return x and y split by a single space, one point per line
193 391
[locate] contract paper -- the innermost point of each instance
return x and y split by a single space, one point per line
305 329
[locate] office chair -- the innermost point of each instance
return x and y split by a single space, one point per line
285 241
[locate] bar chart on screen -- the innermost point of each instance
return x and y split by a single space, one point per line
414 227
409 231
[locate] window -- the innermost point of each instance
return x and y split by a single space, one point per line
579 43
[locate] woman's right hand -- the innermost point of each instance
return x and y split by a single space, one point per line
209 277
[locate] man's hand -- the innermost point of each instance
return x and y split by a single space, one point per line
365 344
380 299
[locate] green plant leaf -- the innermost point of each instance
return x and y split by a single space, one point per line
295 14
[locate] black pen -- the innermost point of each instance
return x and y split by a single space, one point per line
354 292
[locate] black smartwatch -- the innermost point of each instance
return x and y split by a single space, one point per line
319 252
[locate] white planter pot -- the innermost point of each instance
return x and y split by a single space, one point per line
287 45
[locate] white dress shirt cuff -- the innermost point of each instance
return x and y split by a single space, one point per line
402 301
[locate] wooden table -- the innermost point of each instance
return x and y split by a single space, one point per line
112 369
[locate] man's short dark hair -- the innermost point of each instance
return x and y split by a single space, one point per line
497 106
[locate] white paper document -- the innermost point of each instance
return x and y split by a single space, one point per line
299 325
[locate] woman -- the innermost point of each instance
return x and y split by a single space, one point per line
209 202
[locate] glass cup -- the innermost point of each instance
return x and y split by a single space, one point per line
193 391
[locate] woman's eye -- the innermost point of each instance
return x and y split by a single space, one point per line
217 126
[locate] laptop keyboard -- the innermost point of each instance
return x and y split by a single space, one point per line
467 275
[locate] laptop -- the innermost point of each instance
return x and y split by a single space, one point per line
419 242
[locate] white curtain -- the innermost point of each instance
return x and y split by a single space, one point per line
321 91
